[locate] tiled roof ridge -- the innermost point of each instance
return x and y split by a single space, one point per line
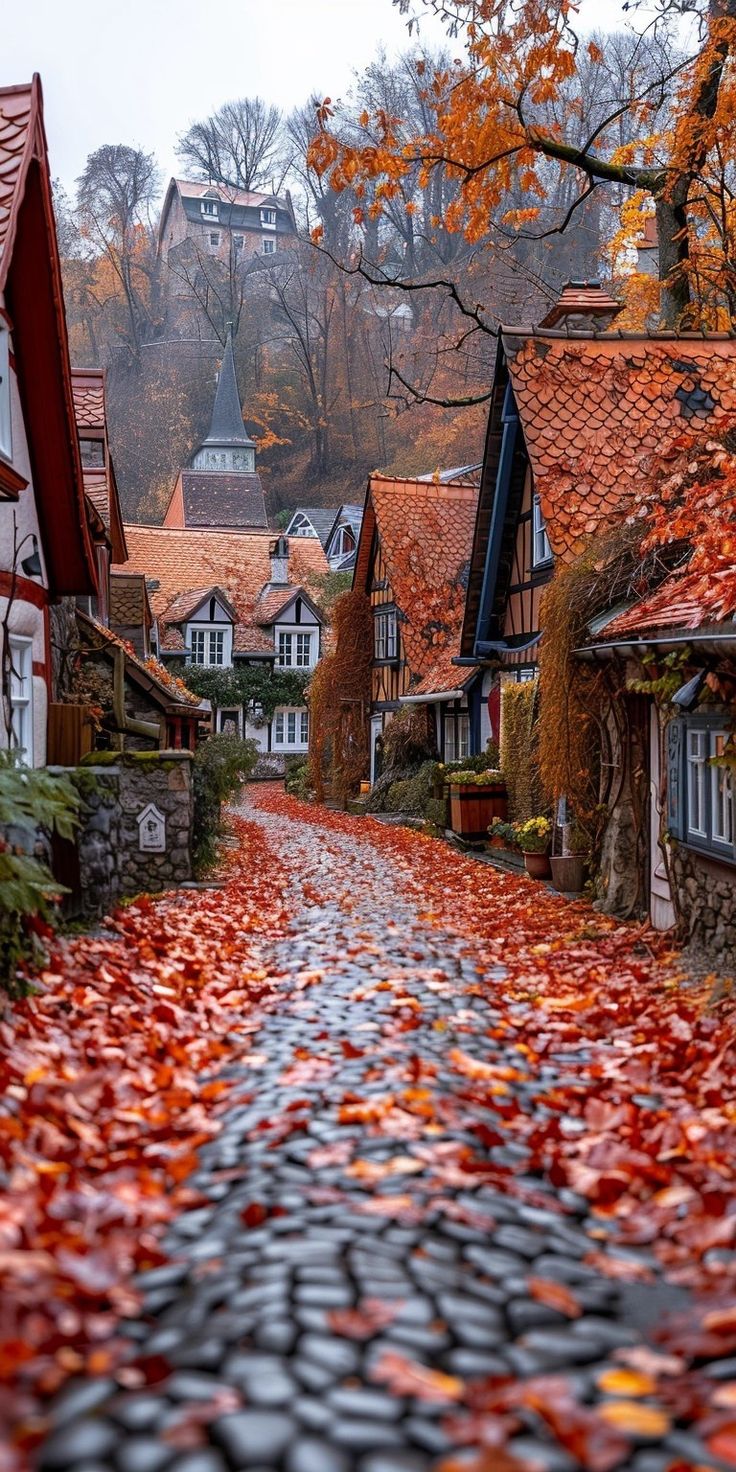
204 531
432 489
615 334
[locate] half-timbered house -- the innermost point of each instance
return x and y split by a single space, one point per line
581 416
412 562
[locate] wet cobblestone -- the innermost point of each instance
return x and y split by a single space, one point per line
327 1248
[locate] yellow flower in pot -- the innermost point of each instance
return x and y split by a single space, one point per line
534 837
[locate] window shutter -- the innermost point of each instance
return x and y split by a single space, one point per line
675 783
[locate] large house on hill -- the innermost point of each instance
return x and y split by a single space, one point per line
412 562
225 601
217 219
221 486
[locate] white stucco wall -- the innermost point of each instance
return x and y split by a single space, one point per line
25 618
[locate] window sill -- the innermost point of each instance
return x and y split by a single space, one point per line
707 851
545 566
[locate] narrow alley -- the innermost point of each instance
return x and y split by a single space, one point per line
471 1203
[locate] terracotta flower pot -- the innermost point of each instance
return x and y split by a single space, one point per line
568 872
537 865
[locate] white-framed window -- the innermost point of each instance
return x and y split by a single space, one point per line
291 728
385 635
210 208
721 798
268 217
207 646
21 697
213 239
269 246
6 438
541 550
697 751
457 735
295 650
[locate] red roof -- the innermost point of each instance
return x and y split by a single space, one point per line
425 530
444 676
30 277
90 410
180 563
599 411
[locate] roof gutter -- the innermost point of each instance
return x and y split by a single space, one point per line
426 699
587 651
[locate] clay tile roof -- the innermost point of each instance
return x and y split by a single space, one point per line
223 499
444 675
186 603
88 388
271 602
685 601
599 412
129 603
16 141
426 531
181 562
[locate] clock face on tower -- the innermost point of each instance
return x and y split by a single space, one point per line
214 459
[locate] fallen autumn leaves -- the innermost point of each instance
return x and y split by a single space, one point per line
107 1091
606 1069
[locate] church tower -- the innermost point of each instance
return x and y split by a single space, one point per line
221 488
228 445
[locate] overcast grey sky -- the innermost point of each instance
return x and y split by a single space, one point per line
139 71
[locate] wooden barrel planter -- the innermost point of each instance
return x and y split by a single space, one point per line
473 809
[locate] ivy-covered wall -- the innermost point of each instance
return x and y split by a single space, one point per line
705 899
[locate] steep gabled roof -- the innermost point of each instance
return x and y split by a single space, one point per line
30 278
425 530
595 411
185 604
321 518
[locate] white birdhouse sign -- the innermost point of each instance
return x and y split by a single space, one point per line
151 830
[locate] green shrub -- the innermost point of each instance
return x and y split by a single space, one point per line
221 765
486 760
296 779
435 811
31 803
411 794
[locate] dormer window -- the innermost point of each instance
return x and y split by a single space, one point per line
343 542
268 218
6 441
541 550
210 208
301 526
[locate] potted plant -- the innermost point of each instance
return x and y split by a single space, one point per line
533 838
568 868
476 798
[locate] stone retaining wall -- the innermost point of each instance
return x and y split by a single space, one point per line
115 789
705 897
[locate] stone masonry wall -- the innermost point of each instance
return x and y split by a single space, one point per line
98 842
705 897
163 778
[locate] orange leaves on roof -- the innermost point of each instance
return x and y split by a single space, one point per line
600 416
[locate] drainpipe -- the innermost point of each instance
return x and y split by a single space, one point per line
123 721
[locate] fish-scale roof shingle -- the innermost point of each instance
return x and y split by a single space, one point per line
598 411
425 530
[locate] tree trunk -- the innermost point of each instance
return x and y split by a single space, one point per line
622 887
674 254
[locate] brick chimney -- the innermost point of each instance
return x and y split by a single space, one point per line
582 306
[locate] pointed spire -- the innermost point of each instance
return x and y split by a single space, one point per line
227 426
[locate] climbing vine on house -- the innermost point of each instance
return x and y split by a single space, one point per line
339 701
258 685
519 749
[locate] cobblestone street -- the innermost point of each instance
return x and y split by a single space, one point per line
383 1258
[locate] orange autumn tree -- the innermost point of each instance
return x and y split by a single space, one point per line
505 121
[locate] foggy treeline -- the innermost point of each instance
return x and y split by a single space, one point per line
350 353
